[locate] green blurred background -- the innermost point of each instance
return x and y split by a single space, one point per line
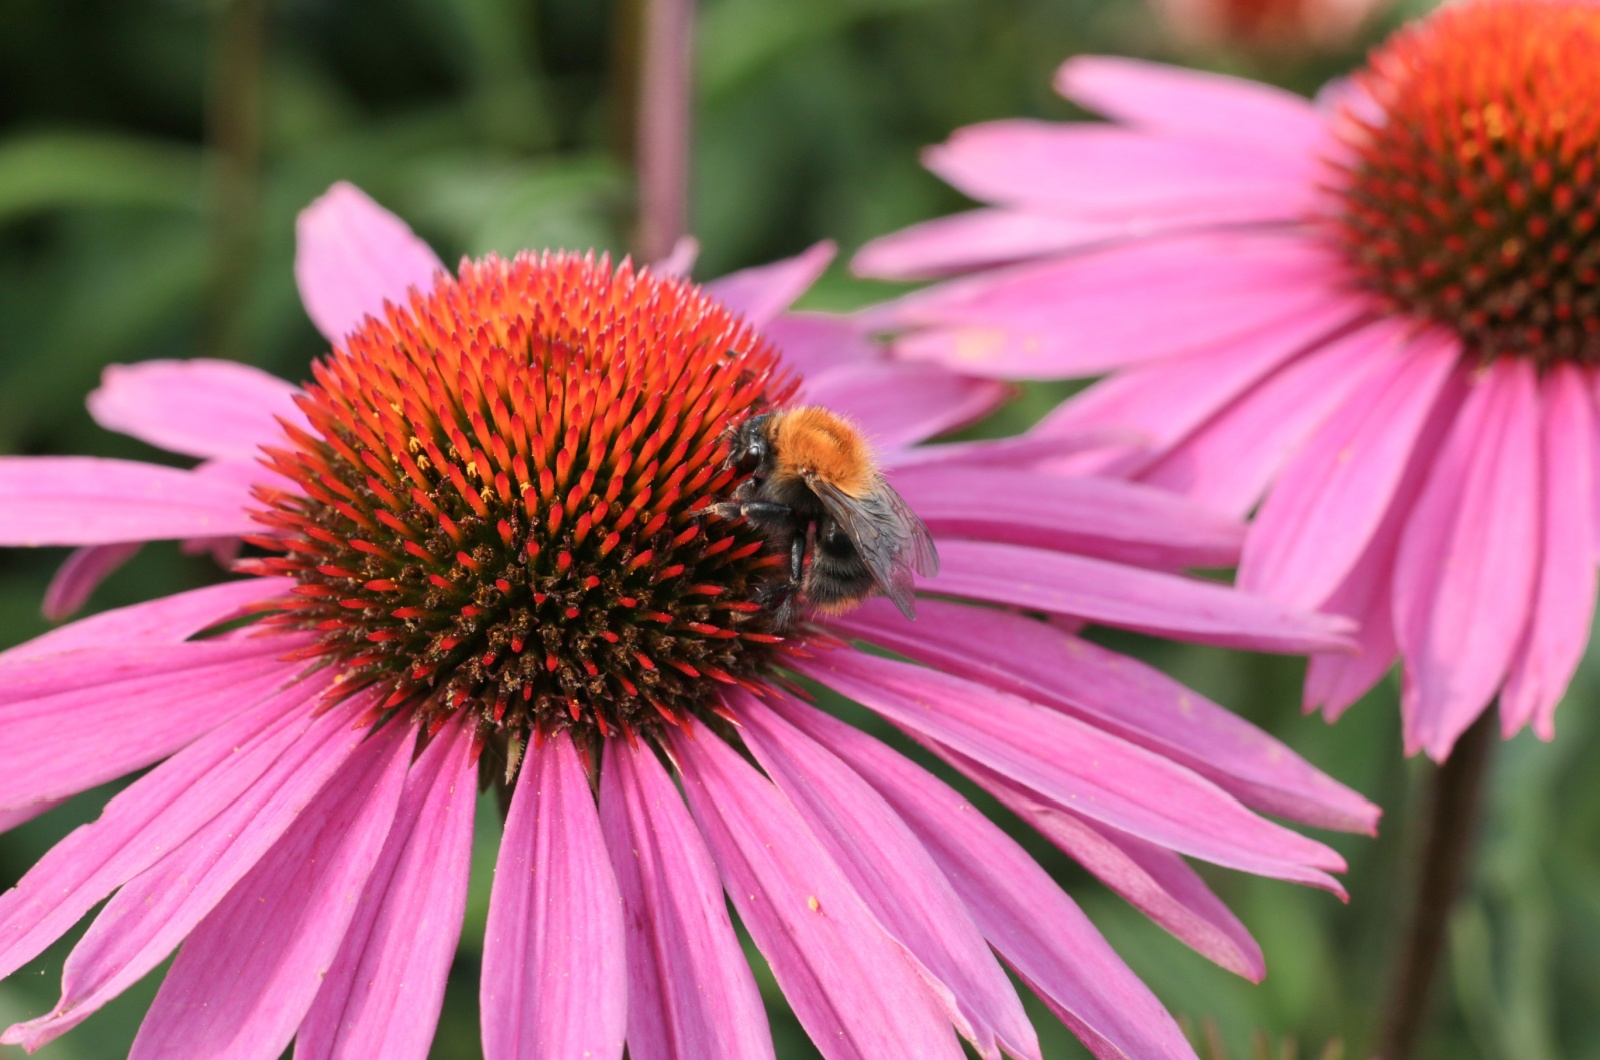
153 154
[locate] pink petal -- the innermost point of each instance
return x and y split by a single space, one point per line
82 718
1112 594
1103 172
850 985
1127 304
555 976
351 256
10 819
1563 604
141 824
1122 521
680 261
1328 502
1039 662
1229 463
690 992
165 620
814 342
761 293
1066 762
384 991
899 404
155 910
84 500
77 578
981 238
1020 909
1018 451
1465 575
247 973
1189 103
897 879
203 408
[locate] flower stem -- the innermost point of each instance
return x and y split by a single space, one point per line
1455 792
661 132
233 119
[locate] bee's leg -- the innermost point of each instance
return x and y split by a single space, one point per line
767 515
797 557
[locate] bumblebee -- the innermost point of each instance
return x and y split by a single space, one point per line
815 491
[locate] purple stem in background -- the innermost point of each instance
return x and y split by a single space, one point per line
233 129
666 50
1455 794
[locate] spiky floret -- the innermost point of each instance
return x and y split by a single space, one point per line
1469 193
496 500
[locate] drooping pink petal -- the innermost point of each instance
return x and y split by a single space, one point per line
690 992
895 876
1190 103
1103 172
1026 450
555 978
1464 577
1025 915
1064 761
384 991
82 718
899 404
981 238
247 973
1041 663
850 985
164 620
1228 463
1114 594
1153 880
1123 521
81 574
351 255
205 408
1093 312
814 342
85 500
1330 498
152 913
1563 604
680 261
759 294
10 819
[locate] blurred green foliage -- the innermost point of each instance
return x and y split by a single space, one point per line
153 154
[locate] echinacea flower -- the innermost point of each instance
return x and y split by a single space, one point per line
479 548
1381 311
1266 27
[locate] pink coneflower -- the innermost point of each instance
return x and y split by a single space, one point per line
480 553
1384 307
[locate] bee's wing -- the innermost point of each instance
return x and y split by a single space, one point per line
891 539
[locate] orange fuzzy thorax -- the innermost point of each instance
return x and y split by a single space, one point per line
812 441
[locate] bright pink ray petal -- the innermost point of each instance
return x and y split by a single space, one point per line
1062 760
1153 880
1025 915
384 991
351 255
897 879
690 992
680 261
1113 594
154 911
1188 103
1228 463
1122 521
1088 313
247 973
1465 574
77 578
164 620
86 500
759 294
203 407
555 977
1563 605
981 238
82 718
851 986
898 404
1016 451
10 819
1040 662
1104 172
1329 500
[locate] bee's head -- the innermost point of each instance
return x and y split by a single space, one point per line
751 451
